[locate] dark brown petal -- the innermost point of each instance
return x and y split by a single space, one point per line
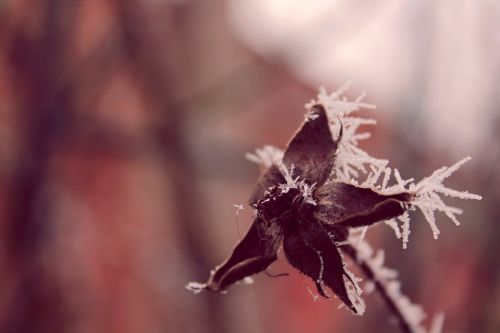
312 150
272 177
254 253
309 249
352 206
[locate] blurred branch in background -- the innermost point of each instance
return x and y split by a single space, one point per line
46 92
43 71
159 61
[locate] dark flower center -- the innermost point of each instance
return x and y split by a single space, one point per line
284 207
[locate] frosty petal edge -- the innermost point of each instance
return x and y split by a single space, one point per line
251 255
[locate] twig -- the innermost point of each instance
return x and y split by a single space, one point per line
381 288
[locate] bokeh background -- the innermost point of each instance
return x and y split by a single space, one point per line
123 129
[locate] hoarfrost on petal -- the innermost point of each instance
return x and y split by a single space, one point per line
395 227
195 287
314 295
248 280
354 291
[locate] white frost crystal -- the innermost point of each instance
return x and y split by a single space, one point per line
428 199
195 287
355 166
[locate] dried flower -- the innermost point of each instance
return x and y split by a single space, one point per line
296 205
311 196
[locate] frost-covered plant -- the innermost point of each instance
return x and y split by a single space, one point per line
314 198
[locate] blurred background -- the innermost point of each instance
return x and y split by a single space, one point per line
123 129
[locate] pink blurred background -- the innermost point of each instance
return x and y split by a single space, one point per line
124 125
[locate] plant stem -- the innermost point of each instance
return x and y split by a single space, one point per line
403 323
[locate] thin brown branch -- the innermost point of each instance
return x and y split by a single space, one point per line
381 288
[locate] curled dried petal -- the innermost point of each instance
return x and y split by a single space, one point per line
312 251
254 253
352 206
312 149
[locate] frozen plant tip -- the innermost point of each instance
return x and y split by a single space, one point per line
315 192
